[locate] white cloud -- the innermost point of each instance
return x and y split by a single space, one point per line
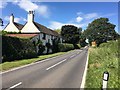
79 13
28 5
108 15
3 4
91 15
57 25
6 18
16 19
79 19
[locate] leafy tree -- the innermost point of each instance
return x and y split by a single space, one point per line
58 31
71 34
82 40
100 30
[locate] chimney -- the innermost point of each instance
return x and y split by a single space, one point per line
30 16
12 18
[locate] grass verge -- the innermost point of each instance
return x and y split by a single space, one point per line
17 63
103 58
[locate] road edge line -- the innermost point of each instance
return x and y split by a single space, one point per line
85 72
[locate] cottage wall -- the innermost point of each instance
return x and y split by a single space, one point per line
29 28
44 41
11 28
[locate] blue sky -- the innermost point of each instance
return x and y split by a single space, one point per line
56 14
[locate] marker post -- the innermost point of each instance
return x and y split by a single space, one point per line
105 80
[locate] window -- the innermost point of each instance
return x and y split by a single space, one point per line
44 36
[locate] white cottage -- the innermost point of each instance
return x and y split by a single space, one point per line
31 27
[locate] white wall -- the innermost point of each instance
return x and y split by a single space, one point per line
44 41
30 28
11 28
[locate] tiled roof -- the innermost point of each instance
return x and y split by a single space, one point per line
42 28
46 30
19 26
22 35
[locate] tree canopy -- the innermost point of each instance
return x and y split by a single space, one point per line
71 34
58 31
100 30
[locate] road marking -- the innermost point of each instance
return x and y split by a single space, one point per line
72 56
17 68
85 72
15 85
56 64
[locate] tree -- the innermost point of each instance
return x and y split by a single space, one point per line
71 34
100 30
82 40
58 31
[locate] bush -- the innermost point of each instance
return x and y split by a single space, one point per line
77 46
49 46
15 48
41 49
65 47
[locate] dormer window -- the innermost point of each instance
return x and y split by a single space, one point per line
44 36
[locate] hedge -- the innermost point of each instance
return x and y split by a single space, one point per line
15 48
65 47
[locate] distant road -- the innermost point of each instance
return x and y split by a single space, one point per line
64 71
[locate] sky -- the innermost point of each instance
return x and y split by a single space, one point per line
56 14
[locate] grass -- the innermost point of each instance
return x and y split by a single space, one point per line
17 63
103 58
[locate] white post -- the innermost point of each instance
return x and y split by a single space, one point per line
105 80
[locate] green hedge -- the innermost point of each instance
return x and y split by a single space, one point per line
15 48
65 47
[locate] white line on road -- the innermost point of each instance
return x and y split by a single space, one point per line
85 72
72 56
17 68
56 64
15 85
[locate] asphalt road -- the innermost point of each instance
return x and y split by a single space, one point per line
64 71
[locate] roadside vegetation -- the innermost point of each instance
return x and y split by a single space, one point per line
17 63
103 58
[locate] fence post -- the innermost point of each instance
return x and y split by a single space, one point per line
105 80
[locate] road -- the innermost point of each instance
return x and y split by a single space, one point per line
64 71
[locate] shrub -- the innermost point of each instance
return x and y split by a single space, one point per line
65 47
41 49
48 45
77 46
15 48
